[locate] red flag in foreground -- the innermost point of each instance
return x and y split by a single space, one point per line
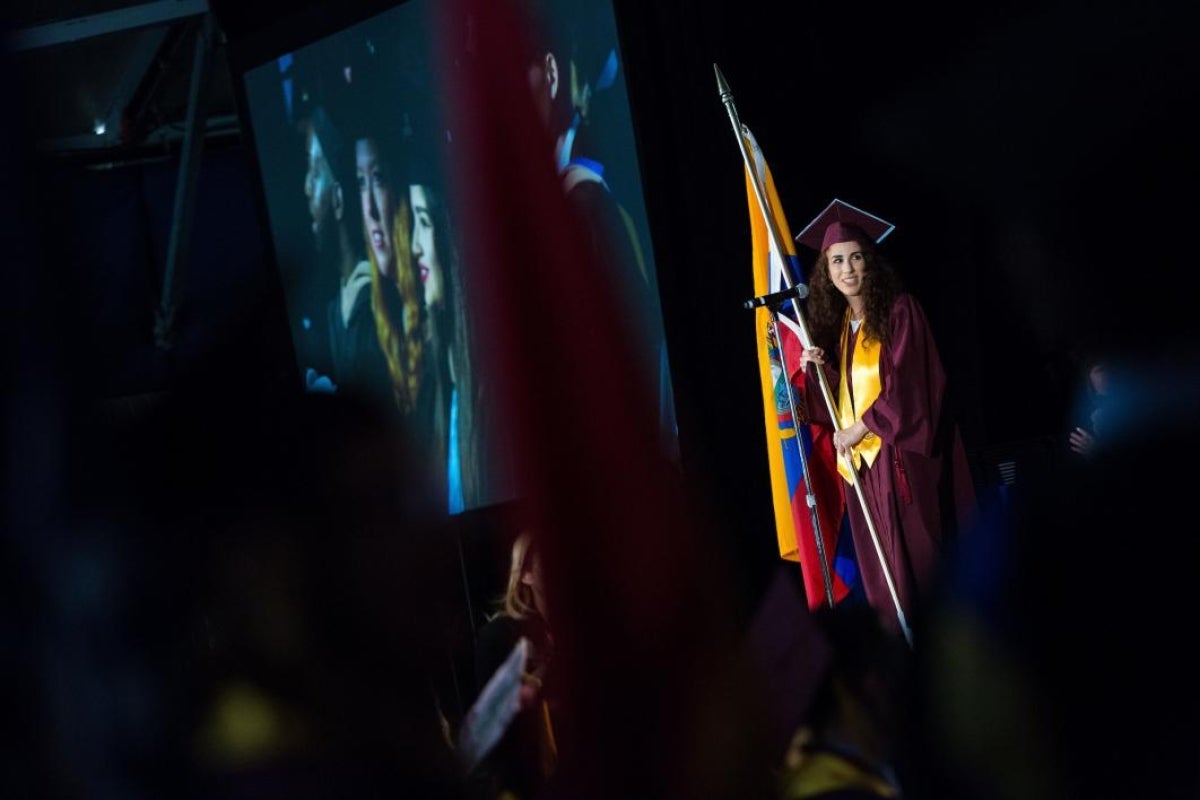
640 614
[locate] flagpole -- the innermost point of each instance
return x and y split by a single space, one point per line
826 393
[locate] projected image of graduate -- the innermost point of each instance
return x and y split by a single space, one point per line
363 190
579 90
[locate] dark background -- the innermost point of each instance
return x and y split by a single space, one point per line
1036 158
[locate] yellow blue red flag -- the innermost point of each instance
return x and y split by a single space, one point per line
785 437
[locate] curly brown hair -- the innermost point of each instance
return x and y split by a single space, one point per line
401 331
827 306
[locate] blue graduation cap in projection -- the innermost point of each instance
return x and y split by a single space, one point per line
842 222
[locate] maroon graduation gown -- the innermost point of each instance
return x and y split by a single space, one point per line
919 489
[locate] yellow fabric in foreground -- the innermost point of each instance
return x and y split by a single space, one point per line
826 772
864 378
549 743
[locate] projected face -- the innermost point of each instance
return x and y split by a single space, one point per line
378 203
552 100
847 267
543 84
424 246
319 185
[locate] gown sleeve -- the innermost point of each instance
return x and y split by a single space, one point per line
907 412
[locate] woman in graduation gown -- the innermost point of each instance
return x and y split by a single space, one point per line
889 391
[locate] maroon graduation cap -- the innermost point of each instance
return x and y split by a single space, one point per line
788 654
842 222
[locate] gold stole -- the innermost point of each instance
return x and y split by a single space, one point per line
864 372
548 745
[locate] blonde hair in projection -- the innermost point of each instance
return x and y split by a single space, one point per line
402 340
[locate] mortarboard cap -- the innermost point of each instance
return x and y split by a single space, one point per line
842 222
322 99
788 653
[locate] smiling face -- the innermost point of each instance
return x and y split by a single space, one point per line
847 269
378 203
424 246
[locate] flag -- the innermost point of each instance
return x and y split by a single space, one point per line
785 438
